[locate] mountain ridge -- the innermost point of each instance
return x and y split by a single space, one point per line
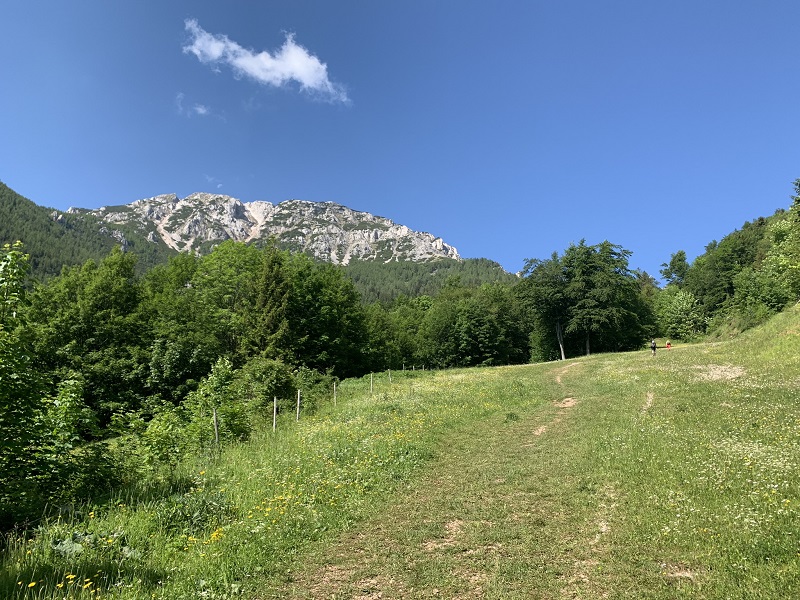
327 230
58 239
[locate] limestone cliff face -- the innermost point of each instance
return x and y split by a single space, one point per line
326 230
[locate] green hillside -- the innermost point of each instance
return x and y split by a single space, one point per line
616 475
55 239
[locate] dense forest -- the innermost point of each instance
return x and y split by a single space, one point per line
385 282
55 239
110 371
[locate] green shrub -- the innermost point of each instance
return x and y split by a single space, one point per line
314 388
215 396
164 441
261 380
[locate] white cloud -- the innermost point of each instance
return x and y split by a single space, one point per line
291 63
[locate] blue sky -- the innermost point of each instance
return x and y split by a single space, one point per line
510 129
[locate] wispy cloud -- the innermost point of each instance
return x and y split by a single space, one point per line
291 63
213 181
195 109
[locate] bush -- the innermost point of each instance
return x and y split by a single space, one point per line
314 388
261 380
215 393
164 441
91 472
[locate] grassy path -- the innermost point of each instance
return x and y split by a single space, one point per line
509 511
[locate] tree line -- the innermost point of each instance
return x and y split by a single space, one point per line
109 372
383 282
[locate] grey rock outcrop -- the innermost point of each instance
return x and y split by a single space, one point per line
326 230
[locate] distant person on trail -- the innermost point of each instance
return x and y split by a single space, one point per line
669 345
653 346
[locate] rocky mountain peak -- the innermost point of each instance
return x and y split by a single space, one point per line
326 230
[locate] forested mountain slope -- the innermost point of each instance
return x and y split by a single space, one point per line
55 239
384 282
738 282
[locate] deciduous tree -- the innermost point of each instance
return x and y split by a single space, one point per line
675 271
86 324
591 290
20 394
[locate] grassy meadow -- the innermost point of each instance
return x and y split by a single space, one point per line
610 476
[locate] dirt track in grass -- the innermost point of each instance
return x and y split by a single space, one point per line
486 520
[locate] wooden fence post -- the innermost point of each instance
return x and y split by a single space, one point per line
298 406
274 413
216 427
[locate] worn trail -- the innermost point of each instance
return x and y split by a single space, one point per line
493 518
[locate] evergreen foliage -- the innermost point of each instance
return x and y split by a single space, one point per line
55 239
385 282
